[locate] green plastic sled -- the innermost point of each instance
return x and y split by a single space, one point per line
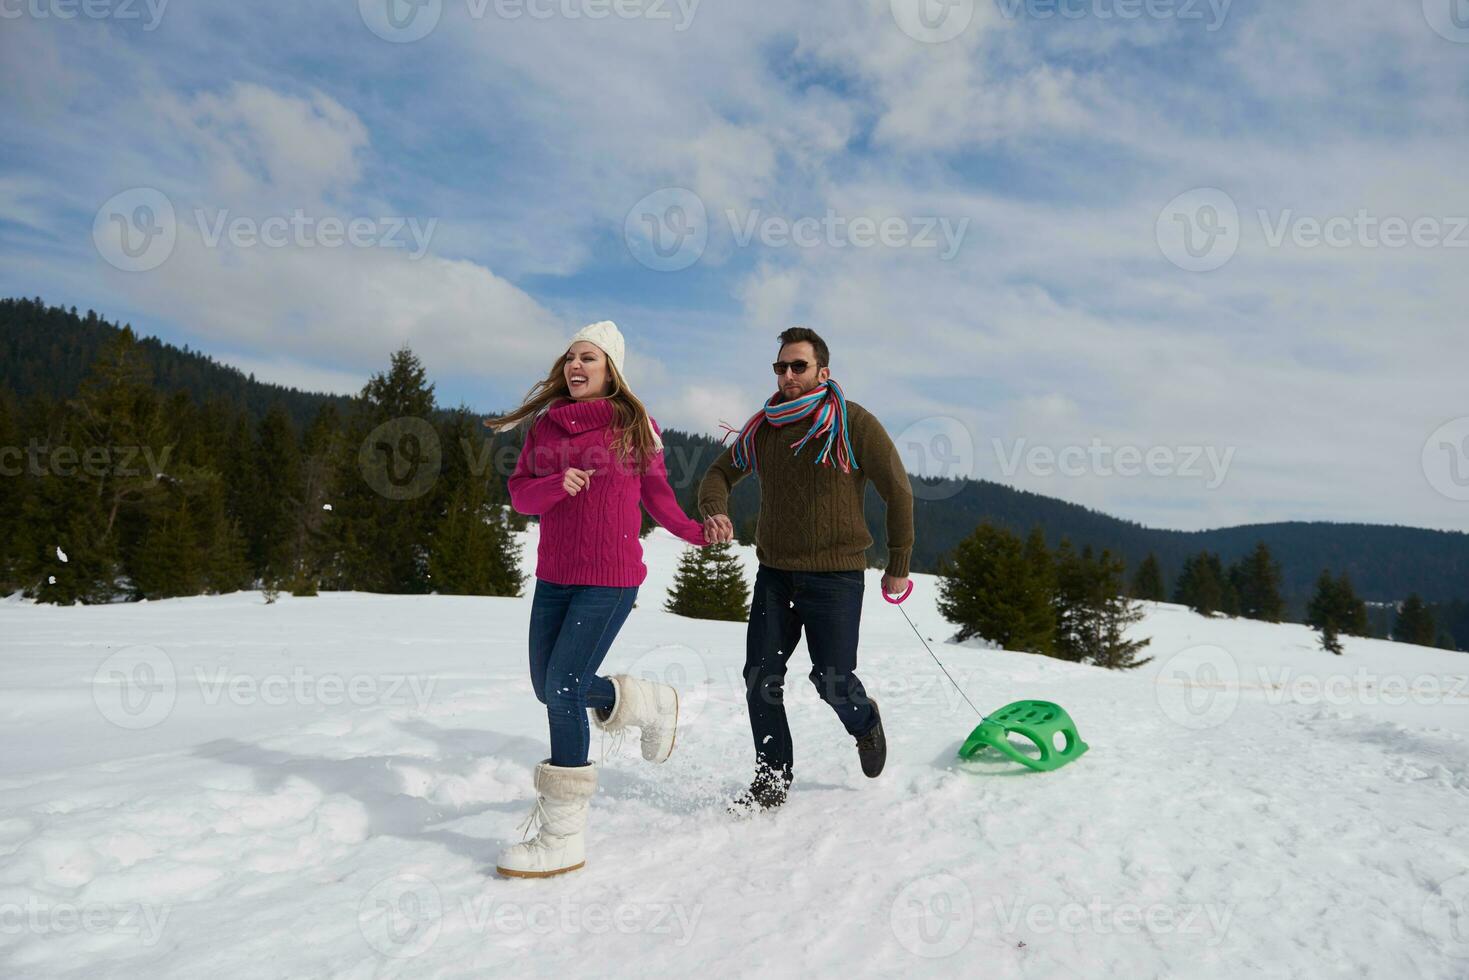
1037 721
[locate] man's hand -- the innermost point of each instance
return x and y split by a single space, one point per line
893 585
718 528
576 480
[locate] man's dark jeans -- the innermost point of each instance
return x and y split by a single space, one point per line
829 607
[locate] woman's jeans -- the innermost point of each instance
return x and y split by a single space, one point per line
571 629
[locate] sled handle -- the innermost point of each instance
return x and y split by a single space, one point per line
899 600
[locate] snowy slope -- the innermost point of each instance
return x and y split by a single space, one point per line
220 787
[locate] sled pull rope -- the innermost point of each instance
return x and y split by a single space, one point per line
899 604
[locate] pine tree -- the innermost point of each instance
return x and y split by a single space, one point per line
277 465
992 589
709 584
1257 582
1073 603
1414 622
13 485
473 550
1038 612
1147 584
1115 613
169 562
1201 584
1353 608
313 557
226 564
389 498
99 453
1335 609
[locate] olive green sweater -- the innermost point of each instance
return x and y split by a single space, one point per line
811 515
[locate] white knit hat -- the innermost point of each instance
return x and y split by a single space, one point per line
606 336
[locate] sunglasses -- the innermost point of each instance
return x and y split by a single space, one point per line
797 366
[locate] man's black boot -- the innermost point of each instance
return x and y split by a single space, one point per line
767 791
872 748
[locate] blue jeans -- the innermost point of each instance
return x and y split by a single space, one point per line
828 605
571 629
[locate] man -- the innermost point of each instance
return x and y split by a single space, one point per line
814 452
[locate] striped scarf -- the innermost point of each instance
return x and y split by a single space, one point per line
829 405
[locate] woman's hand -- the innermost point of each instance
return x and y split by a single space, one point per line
575 480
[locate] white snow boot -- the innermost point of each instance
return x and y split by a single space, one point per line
646 705
560 814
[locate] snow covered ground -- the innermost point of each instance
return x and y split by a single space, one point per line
219 787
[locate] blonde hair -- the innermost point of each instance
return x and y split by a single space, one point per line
635 440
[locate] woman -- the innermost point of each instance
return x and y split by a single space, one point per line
590 456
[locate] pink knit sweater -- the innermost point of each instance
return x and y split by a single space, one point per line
591 538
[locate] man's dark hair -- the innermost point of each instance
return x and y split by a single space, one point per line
795 335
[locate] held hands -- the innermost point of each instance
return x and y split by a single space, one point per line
718 528
574 481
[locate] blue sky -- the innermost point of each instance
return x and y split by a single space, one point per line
1042 171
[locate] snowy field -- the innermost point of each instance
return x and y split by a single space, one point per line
219 787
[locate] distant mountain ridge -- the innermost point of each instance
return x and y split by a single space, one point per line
47 351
